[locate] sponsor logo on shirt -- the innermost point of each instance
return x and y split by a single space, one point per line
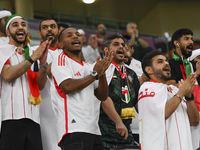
78 74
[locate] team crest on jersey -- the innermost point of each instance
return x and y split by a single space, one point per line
114 76
138 65
130 78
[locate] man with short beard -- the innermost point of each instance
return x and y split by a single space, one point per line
123 87
165 112
181 68
48 30
4 14
20 96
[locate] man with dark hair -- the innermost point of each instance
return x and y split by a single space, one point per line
140 46
165 112
48 30
76 83
62 26
20 96
100 36
4 14
123 87
181 68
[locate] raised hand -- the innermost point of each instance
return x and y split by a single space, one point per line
40 50
186 86
43 58
102 65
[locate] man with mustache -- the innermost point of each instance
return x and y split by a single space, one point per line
48 30
165 112
181 68
123 87
20 97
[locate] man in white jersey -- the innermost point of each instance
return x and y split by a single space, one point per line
20 115
48 30
76 83
4 14
165 112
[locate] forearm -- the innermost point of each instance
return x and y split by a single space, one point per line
132 40
71 85
10 73
110 110
143 43
193 113
102 91
172 105
41 78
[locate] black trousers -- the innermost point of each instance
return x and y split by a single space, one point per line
81 141
22 134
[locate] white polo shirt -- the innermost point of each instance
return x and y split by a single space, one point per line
79 110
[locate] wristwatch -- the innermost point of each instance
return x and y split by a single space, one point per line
94 74
44 66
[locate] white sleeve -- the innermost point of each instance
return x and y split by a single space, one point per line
151 106
61 72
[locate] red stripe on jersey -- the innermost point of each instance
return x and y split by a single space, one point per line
22 91
61 59
62 95
178 131
12 100
1 87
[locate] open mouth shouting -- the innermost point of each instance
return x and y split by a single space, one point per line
189 48
76 43
20 34
120 52
50 36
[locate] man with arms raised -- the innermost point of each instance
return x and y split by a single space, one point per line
20 89
76 83
165 112
48 30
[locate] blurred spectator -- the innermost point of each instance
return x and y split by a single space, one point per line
4 14
90 51
140 46
100 35
62 26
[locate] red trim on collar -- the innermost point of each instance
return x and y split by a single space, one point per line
50 48
153 81
81 63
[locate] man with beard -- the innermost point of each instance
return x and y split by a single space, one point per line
4 14
181 68
123 87
76 83
48 30
20 88
165 112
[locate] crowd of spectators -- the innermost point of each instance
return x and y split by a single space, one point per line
101 93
